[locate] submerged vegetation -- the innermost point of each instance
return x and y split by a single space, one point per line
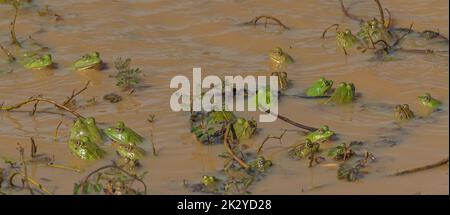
243 166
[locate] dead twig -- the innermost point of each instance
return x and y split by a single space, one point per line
296 124
328 28
422 168
347 14
272 137
380 9
41 99
230 151
255 20
76 93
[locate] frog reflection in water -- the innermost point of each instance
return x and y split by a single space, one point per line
402 112
320 88
343 94
122 134
84 149
35 61
88 61
278 59
345 40
428 101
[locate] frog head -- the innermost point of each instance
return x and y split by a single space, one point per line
208 181
122 134
79 130
132 153
371 31
402 112
343 94
278 58
94 132
428 101
320 135
304 149
84 149
38 62
260 164
88 61
345 39
320 88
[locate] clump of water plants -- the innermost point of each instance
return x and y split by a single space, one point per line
126 76
111 180
210 127
379 35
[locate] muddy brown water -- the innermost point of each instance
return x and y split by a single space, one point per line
169 38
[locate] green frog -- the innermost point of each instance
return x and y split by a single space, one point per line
244 128
88 61
402 112
283 82
94 132
209 181
343 94
122 134
279 59
320 88
320 135
304 149
345 39
37 61
84 149
428 101
86 128
132 153
372 31
260 164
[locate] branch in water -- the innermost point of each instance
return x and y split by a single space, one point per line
380 8
255 20
422 168
41 99
347 14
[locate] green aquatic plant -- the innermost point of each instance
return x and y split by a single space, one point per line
111 180
126 76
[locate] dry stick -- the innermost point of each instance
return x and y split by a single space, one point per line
230 151
13 27
40 99
380 8
328 28
152 142
30 180
403 36
422 168
389 24
55 137
7 53
347 14
75 94
24 173
255 20
272 137
114 166
296 124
